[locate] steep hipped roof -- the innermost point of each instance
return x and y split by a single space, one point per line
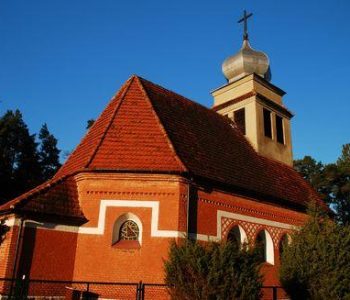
127 136
146 128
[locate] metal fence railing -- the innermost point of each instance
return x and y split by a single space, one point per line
54 289
20 289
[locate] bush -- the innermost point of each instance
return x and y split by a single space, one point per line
212 271
317 262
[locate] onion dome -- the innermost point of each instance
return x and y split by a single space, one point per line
246 61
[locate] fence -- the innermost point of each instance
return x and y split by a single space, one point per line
76 290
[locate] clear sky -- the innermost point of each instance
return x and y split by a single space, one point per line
61 61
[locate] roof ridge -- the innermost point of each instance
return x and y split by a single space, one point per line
173 92
63 170
111 120
193 102
171 144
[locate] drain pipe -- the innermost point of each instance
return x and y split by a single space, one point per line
190 180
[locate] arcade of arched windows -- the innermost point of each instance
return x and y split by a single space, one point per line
252 230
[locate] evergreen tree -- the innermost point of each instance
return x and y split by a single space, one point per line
19 161
315 173
90 123
212 271
48 153
338 176
332 181
316 264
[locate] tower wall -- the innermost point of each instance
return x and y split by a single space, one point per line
255 94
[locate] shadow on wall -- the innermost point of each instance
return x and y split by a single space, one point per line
3 230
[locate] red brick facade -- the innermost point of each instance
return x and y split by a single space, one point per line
62 254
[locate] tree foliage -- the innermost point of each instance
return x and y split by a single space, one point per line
338 175
18 156
317 262
22 164
212 271
313 171
89 123
48 153
332 181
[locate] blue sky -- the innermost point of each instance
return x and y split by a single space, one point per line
62 61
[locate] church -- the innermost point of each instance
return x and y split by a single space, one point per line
156 166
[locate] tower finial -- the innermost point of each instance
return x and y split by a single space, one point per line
244 19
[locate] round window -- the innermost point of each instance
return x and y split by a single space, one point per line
129 231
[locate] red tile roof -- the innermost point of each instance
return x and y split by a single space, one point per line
127 136
211 147
57 199
146 128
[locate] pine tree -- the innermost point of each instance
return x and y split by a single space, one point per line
331 181
89 123
315 173
19 162
48 153
339 181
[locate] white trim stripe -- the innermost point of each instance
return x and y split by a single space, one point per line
155 231
154 205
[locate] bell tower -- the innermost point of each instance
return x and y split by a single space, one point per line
255 104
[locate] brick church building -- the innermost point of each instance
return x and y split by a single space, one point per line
156 166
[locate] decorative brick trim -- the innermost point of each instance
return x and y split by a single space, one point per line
112 193
249 210
252 230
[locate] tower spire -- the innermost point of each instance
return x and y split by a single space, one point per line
244 19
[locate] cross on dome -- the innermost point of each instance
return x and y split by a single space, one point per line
244 19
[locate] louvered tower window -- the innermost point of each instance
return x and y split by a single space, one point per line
239 117
279 129
267 123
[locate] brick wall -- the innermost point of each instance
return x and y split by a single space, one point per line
48 254
7 255
210 202
7 252
97 258
91 256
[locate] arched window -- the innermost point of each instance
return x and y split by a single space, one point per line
265 245
237 236
127 228
284 241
